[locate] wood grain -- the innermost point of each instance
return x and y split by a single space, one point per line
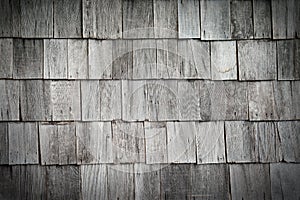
77 59
102 19
6 58
94 142
122 59
295 99
262 19
9 100
4 148
6 29
90 100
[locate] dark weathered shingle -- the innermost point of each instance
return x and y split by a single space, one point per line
262 19
6 58
4 143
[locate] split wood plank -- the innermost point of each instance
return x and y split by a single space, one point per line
94 182
94 143
223 60
63 182
65 99
100 59
262 19
55 59
138 19
147 181
36 18
121 181
4 148
133 100
57 144
6 17
8 185
284 181
284 19
28 58
215 20
210 143
167 59
210 181
250 181
194 59
188 19
257 60
128 142
165 19
283 100
223 100
156 142
90 100
176 182
250 141
67 19
162 100
288 58
144 59
295 99
122 59
6 58
35 100
9 100
287 146
23 143
241 19
102 19
181 142
77 59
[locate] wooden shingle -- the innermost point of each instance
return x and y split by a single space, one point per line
110 100
4 156
6 15
90 100
94 142
295 99
6 58
122 59
102 19
262 19
77 59
9 100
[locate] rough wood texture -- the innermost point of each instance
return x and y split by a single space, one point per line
283 100
295 99
133 100
102 19
55 59
181 142
250 141
188 19
90 100
147 181
138 19
223 100
94 181
23 143
65 99
241 19
210 142
6 58
156 142
4 156
100 59
35 100
194 59
36 18
28 58
63 182
94 142
210 182
215 20
284 19
58 144
223 60
165 19
9 100
288 58
77 59
262 19
6 15
121 182
122 59
128 142
67 18
161 100
250 181
287 145
144 59
175 182
284 181
257 60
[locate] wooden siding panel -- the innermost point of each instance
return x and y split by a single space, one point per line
122 59
67 144
77 59
6 15
295 99
102 19
262 19
90 100
94 142
6 58
28 58
9 100
4 148
223 60
210 143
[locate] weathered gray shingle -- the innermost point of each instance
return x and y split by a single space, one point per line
9 100
77 59
6 58
262 19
